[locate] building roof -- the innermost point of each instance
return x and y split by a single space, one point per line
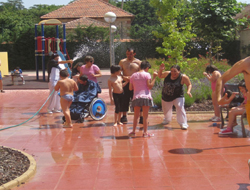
244 13
86 8
86 22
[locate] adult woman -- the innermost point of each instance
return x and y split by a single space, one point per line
173 94
90 69
53 71
141 83
212 74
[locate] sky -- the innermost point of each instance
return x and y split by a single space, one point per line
29 3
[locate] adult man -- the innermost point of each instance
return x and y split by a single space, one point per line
242 66
129 66
1 82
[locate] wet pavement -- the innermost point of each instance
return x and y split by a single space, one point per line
97 155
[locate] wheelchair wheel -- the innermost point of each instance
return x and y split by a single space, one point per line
97 109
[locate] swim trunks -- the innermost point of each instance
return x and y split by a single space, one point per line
68 97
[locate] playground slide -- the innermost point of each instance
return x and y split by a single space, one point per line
66 64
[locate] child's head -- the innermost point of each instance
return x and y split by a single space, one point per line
115 68
211 68
242 87
17 68
64 73
54 56
145 65
89 58
83 79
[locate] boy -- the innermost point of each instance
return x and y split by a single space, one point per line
67 86
116 86
17 72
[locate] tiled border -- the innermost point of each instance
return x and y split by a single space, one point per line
23 178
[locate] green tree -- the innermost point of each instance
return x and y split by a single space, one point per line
214 22
176 22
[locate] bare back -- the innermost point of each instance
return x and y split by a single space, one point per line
66 86
130 67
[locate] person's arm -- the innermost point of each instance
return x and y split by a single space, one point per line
225 100
162 74
57 87
150 83
187 82
65 61
98 73
110 92
124 84
236 69
75 86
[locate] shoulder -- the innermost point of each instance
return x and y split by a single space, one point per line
138 61
184 76
95 66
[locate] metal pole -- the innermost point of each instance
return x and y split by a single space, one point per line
36 56
110 45
64 40
43 53
113 50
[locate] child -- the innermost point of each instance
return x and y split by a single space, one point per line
142 83
239 110
66 86
116 86
17 72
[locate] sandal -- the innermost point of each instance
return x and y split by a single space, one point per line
131 134
147 135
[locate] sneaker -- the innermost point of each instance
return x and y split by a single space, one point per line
57 111
212 118
124 119
141 120
23 82
216 119
145 135
165 122
226 132
49 111
184 127
131 134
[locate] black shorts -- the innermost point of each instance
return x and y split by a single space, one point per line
118 101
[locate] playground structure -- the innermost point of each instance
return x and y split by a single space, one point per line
47 46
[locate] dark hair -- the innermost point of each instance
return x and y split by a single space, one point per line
83 78
53 56
64 73
18 68
115 68
78 64
145 64
242 84
211 68
176 67
131 49
89 58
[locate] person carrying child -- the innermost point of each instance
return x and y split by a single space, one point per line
116 91
67 87
239 110
17 72
142 83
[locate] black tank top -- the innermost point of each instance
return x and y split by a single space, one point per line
172 89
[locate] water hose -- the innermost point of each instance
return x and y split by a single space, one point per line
31 117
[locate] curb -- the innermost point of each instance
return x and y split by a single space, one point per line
187 112
24 177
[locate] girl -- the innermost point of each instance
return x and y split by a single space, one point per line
141 83
212 74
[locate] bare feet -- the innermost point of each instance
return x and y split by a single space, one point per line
118 123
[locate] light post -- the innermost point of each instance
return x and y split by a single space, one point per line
110 17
